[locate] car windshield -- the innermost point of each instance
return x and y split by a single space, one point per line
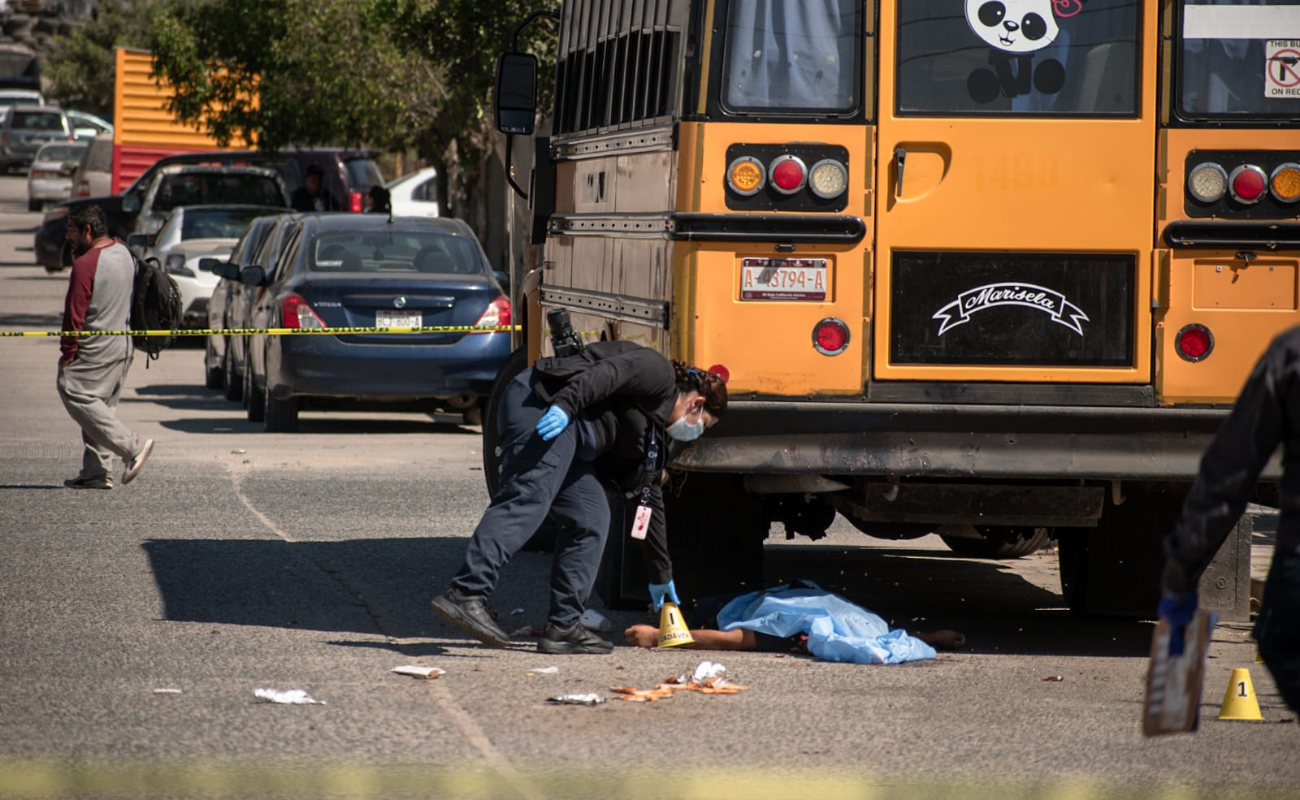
1239 59
224 223
210 188
362 174
62 152
37 121
792 57
396 251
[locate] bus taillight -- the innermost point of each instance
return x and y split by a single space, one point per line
1208 182
1194 342
1285 183
828 179
788 174
745 176
1247 184
830 336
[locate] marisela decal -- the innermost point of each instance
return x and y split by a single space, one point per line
992 295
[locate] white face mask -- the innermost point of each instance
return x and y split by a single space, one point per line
683 431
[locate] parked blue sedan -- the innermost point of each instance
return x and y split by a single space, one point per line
350 270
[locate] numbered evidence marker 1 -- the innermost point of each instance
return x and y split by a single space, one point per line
672 631
1173 696
1239 701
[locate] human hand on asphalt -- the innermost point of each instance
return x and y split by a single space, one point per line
552 423
1178 612
642 636
663 591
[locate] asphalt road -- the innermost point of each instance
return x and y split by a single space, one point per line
241 559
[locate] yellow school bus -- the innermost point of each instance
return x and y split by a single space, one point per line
988 268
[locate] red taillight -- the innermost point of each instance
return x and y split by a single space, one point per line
1247 183
83 189
296 313
496 315
354 202
788 174
1194 342
830 336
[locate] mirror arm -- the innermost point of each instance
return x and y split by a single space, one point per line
510 169
551 13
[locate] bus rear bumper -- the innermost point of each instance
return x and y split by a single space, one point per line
990 442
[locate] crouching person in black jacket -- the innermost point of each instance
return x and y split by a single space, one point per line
565 424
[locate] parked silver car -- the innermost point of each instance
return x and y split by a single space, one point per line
25 128
191 185
50 178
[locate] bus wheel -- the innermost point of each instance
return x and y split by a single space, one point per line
999 542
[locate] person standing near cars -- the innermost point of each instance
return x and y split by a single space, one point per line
565 424
92 369
312 195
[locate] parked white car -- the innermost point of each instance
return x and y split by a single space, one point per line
13 97
50 178
88 126
415 195
191 241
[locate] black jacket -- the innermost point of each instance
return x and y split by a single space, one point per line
625 392
302 200
1267 413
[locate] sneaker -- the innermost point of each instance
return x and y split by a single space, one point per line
136 463
472 615
573 640
84 482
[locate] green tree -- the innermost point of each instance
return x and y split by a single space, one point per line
80 65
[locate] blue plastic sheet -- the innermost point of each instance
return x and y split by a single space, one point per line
837 630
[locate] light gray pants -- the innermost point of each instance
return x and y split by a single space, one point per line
90 390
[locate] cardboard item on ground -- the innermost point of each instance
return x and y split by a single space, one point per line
1174 683
294 697
423 673
592 699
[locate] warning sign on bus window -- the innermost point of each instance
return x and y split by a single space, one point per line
1282 68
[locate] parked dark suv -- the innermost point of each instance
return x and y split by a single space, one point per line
349 174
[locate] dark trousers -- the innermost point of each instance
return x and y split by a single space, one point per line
539 479
1278 627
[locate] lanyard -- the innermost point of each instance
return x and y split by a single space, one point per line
651 461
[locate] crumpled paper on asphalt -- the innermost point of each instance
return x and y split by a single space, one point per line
592 699
296 697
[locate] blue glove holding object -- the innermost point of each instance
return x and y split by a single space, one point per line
1178 612
663 591
552 423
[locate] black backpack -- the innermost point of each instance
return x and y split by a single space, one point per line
155 305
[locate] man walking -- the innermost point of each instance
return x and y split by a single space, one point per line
92 369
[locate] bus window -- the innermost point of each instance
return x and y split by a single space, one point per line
1239 58
1006 57
792 57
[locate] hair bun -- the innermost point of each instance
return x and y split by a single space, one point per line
722 372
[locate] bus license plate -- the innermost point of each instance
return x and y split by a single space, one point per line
398 319
783 279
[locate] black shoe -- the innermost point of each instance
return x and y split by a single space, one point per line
472 615
573 640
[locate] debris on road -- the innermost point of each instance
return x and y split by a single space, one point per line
543 671
632 694
238 452
296 697
516 612
423 673
166 691
1054 678
527 630
593 620
592 699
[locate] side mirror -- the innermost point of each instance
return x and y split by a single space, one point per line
131 204
252 276
516 93
222 269
138 241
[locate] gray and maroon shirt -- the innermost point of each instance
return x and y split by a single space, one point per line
99 299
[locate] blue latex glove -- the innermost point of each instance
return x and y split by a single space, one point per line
552 423
663 591
1178 612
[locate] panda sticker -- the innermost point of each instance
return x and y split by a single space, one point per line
1016 30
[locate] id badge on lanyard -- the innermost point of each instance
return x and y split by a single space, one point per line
641 522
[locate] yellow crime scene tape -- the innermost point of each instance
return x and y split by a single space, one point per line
269 331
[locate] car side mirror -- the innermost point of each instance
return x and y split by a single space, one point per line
516 93
139 241
222 269
131 204
252 276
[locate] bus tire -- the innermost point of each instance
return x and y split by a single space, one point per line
1000 542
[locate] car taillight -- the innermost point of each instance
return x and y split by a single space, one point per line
1194 342
496 315
295 312
828 179
830 336
1247 184
1285 183
1207 182
745 176
83 189
788 174
354 201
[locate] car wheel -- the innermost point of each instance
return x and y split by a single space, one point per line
253 398
34 205
281 416
213 377
234 380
